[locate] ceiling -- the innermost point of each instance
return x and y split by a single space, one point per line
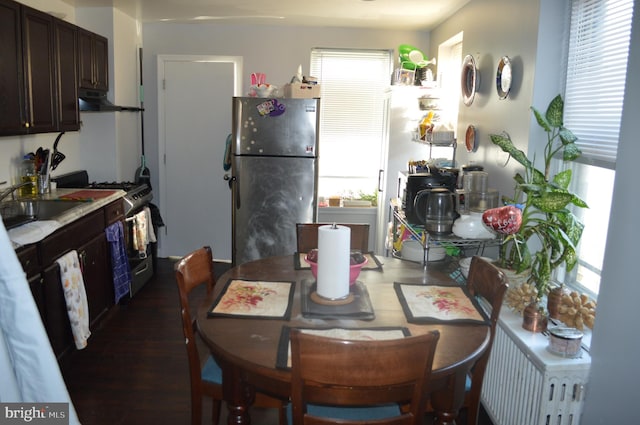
421 15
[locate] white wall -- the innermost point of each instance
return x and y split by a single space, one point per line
492 29
276 51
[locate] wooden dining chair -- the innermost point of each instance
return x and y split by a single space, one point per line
488 282
358 382
307 236
193 270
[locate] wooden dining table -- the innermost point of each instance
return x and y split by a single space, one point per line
247 347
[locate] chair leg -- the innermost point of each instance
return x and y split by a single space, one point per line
215 411
196 410
282 414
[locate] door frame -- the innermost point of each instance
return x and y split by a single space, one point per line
236 61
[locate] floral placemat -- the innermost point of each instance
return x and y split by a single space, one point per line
372 264
360 308
283 360
254 298
434 303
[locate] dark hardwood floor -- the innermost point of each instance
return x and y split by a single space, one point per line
134 370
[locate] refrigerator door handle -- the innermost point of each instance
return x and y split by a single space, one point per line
380 180
234 188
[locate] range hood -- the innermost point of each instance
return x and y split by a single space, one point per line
97 101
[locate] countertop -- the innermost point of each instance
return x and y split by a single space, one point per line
36 231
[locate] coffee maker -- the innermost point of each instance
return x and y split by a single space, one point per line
435 178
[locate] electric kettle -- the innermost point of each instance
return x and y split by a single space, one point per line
435 208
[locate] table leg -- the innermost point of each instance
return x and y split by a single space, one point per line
237 395
448 401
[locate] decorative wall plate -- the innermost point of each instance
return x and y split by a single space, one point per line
469 79
503 77
470 138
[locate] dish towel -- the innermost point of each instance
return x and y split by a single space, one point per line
75 297
119 260
140 233
150 232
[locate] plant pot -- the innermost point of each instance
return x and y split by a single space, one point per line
534 319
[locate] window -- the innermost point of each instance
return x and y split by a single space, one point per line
595 81
352 112
449 68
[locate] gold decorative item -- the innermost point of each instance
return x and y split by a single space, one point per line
553 301
518 298
534 319
577 310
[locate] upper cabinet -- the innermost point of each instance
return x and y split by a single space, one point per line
12 102
43 62
93 62
66 44
40 114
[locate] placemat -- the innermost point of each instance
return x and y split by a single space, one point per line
372 264
254 299
360 308
438 304
283 360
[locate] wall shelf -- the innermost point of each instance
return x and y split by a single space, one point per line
428 241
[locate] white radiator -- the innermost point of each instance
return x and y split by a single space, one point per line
525 384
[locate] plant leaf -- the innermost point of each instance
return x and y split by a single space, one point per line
505 143
578 202
571 152
567 136
542 121
551 202
563 179
555 112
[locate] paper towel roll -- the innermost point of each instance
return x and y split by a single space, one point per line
334 243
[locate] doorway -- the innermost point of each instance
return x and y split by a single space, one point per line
194 115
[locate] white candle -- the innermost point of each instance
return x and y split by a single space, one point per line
334 243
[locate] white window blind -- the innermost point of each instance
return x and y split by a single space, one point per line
596 69
352 83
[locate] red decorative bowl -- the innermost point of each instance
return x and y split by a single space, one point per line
354 269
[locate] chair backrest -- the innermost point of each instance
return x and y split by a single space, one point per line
487 281
195 269
307 236
360 373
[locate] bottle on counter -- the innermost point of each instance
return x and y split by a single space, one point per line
28 173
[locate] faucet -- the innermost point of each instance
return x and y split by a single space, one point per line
12 189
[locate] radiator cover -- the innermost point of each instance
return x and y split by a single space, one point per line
525 384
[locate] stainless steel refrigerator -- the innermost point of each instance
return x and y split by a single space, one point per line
274 174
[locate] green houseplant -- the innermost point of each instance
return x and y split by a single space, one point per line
544 199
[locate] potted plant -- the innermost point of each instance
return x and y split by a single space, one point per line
543 198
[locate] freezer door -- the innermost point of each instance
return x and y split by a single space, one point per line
278 127
271 195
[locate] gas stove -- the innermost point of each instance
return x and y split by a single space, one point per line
138 195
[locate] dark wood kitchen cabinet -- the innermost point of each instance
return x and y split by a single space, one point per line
93 61
66 45
44 61
38 76
12 104
85 235
40 112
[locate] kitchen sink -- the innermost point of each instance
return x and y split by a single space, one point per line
18 212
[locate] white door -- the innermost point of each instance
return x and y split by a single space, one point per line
194 103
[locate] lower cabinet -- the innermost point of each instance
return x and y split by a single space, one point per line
96 273
86 235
